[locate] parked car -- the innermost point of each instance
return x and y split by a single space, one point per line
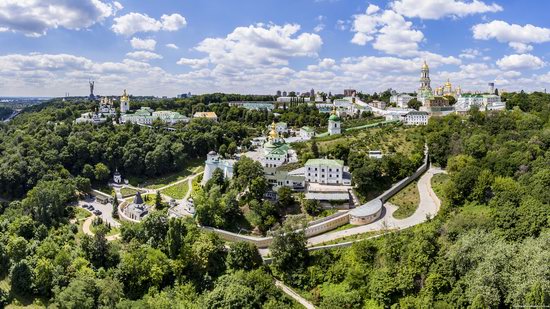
91 208
97 212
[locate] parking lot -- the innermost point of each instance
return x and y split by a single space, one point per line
106 210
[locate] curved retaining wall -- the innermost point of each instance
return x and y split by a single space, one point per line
122 216
371 210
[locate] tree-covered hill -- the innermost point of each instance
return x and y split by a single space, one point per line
489 247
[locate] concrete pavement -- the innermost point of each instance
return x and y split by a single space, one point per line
428 208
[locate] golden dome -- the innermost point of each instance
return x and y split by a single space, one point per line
273 134
448 83
125 94
425 66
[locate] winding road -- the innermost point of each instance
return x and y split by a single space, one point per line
428 208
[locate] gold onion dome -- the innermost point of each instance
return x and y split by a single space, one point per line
448 83
273 134
425 66
333 115
125 94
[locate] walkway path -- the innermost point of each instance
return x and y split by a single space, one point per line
428 208
86 228
288 291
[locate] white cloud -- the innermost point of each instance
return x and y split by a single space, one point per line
388 30
132 23
342 24
520 62
436 9
260 46
521 48
35 17
320 26
470 53
194 63
371 9
518 37
173 22
147 44
172 46
144 55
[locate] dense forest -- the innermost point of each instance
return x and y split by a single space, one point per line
5 112
489 246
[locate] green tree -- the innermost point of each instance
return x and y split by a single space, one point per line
315 149
285 198
101 172
243 256
289 253
80 293
414 104
175 237
21 278
311 207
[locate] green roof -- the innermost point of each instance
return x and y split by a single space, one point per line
308 129
334 118
325 162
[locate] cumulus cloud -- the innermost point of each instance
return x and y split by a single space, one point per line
172 46
518 37
147 44
260 46
132 23
194 63
520 62
388 30
470 53
521 48
144 55
436 9
35 17
173 22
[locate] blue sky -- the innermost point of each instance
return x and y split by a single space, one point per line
166 47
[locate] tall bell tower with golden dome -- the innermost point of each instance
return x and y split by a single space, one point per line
425 91
124 103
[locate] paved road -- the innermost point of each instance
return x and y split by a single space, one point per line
428 207
106 210
88 223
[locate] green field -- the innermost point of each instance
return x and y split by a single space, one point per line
128 192
391 138
177 191
193 166
407 200
438 184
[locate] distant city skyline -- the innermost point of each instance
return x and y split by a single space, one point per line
166 48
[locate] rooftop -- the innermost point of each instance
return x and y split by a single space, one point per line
308 129
325 162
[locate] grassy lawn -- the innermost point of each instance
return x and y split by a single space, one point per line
127 192
177 191
112 231
149 199
391 138
438 183
351 123
193 166
407 200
